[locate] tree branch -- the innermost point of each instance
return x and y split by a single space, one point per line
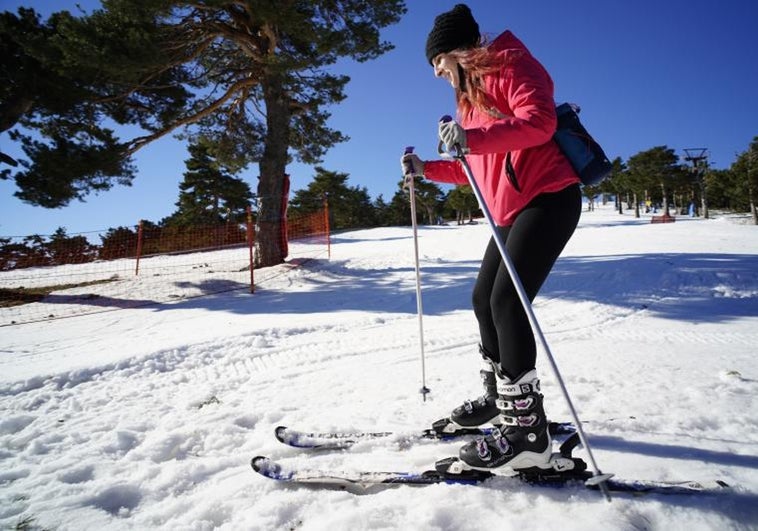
138 143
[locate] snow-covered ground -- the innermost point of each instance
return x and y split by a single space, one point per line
147 418
113 284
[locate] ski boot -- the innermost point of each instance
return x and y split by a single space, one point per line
474 413
523 440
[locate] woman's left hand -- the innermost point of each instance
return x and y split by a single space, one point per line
452 134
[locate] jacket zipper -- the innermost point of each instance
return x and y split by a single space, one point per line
510 172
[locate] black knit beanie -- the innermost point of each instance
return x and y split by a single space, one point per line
452 30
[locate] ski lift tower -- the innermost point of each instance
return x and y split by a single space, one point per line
699 159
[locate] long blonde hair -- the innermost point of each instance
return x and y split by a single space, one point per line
476 62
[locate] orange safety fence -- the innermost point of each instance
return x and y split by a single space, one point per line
60 275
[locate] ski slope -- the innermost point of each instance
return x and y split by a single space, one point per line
147 418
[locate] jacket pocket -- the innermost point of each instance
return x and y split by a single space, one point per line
511 173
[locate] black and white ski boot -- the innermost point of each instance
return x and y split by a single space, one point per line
523 440
481 411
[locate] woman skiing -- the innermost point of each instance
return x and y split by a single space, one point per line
505 122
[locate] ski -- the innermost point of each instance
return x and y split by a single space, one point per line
562 470
338 440
364 480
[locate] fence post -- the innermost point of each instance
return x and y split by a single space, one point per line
326 228
139 247
250 241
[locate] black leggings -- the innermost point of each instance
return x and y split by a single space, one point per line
533 242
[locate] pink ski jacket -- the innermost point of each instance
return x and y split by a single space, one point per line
522 92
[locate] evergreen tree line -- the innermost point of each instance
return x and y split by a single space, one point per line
36 250
351 207
659 177
654 178
212 205
210 213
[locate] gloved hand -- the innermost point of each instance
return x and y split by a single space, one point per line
451 134
411 164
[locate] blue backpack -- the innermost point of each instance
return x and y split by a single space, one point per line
583 152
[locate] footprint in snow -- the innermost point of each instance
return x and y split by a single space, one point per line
78 475
117 499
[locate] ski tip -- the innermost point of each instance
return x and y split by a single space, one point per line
294 438
280 433
269 468
260 463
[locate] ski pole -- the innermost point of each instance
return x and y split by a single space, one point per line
409 177
598 477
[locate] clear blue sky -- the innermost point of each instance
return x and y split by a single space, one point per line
680 73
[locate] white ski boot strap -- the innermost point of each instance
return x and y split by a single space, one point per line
528 383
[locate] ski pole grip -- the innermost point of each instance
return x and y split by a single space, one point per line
407 165
441 145
442 149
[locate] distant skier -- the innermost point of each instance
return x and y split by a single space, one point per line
507 118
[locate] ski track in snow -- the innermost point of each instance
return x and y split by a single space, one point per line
658 357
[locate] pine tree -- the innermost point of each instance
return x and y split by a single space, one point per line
429 199
209 195
463 201
349 207
656 169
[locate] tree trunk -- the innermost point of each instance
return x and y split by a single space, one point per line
636 206
665 200
272 169
703 201
430 215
